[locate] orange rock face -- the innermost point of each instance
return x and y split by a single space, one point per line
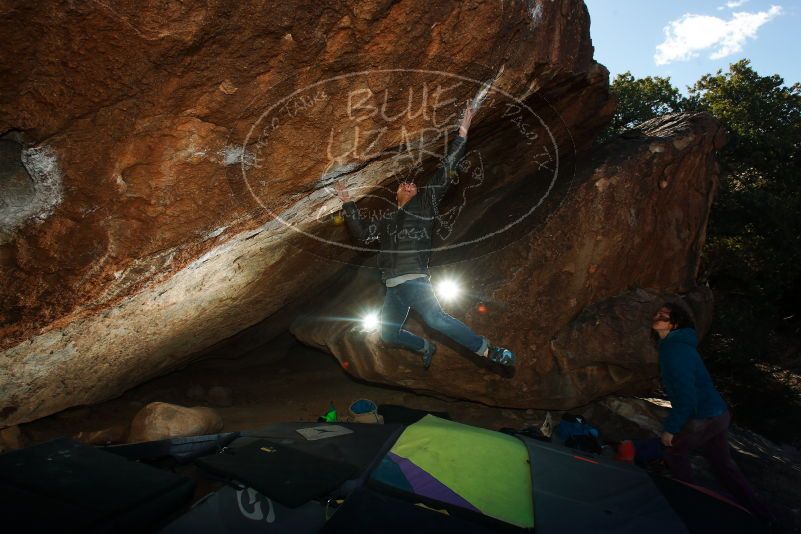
176 164
574 297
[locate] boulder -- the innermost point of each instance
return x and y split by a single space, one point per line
179 157
573 297
647 413
160 420
625 418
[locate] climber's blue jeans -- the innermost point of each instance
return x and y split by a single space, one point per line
418 295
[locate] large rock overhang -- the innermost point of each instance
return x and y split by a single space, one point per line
165 240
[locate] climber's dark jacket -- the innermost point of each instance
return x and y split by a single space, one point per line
404 234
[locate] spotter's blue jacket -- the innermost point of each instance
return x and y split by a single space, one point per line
686 380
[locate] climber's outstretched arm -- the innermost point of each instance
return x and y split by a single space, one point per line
441 181
357 226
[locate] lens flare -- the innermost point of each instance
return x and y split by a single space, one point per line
370 322
448 290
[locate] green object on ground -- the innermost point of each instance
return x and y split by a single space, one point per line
331 415
490 470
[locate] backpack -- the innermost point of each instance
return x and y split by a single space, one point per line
576 433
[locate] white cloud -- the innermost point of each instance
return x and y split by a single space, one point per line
686 36
731 4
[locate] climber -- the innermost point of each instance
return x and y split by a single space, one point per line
405 240
699 417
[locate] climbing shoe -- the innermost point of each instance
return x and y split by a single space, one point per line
428 354
501 355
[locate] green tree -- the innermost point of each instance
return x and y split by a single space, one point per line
640 99
753 253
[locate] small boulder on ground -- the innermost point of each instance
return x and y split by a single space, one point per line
160 420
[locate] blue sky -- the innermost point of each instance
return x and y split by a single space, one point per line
702 37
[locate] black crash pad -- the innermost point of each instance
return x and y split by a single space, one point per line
240 511
290 476
368 511
63 486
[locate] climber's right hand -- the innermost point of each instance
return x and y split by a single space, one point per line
342 192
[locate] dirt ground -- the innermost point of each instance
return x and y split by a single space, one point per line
298 387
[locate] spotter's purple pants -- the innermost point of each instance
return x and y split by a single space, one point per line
708 437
